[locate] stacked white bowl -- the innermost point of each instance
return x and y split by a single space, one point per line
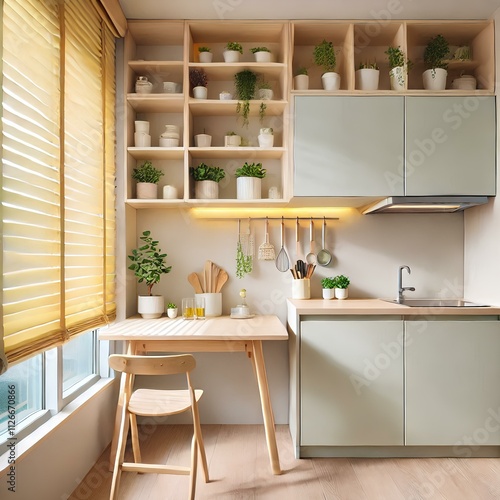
142 139
170 138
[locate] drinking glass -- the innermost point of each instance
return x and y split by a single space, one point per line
188 308
199 310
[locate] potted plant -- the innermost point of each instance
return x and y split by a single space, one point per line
324 56
367 76
171 310
148 264
207 180
328 288
341 284
147 177
245 82
399 68
205 54
225 96
262 54
232 52
249 181
198 80
434 77
232 140
266 137
301 79
265 90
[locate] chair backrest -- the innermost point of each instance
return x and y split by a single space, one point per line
152 365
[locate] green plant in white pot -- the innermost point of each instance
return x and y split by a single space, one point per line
328 288
399 68
148 264
324 56
172 310
249 181
205 54
434 78
207 180
341 286
367 76
232 52
147 178
262 54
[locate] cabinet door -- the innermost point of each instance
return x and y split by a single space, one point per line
351 382
450 145
452 378
348 146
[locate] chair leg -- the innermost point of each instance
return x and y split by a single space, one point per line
120 453
201 444
194 467
135 438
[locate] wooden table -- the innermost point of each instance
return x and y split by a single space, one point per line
220 334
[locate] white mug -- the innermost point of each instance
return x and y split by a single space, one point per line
142 140
142 126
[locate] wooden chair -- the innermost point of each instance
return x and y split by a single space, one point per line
155 403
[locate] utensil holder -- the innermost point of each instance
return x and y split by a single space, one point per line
301 289
213 303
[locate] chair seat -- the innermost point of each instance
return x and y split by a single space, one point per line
153 402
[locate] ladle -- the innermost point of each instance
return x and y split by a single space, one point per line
324 256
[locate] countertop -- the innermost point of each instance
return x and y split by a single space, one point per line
374 307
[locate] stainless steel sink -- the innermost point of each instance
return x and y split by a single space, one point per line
437 303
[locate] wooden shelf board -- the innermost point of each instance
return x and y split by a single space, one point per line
161 203
248 31
239 153
156 203
208 107
153 32
156 153
226 71
157 103
155 66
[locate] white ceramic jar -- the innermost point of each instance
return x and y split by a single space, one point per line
143 85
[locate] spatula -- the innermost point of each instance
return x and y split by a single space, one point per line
221 280
194 280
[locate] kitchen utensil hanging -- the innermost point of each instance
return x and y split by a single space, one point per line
282 260
266 249
244 252
311 256
324 256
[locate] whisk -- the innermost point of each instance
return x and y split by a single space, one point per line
266 249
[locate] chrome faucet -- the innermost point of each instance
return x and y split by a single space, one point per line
401 288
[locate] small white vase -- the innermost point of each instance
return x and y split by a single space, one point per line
200 92
150 306
328 293
262 56
202 140
232 141
341 293
266 94
172 312
248 188
266 140
330 81
147 190
435 79
206 190
231 56
301 82
397 76
367 79
205 57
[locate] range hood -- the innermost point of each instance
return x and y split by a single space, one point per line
424 204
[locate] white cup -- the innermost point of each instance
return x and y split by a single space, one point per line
213 303
301 288
169 87
142 140
169 193
202 140
142 126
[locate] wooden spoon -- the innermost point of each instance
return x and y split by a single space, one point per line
223 277
195 283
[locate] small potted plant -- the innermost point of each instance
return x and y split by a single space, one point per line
301 79
232 140
171 310
367 76
434 77
262 54
232 52
266 137
148 264
265 90
324 56
199 81
341 284
328 288
399 68
207 180
147 178
245 83
225 96
249 181
205 54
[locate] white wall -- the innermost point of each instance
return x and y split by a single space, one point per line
482 229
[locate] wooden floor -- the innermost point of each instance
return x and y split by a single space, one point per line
239 469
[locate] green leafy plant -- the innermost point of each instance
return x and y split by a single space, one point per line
367 65
435 52
328 283
204 49
324 56
204 172
301 71
234 46
341 281
251 170
198 77
259 49
264 84
244 262
171 305
245 82
231 133
397 58
147 173
148 263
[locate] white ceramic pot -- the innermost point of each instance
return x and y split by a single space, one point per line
330 81
205 57
301 82
397 76
367 79
266 94
142 140
213 303
150 306
328 293
202 140
231 56
263 56
266 140
168 142
172 312
142 126
435 79
248 188
143 85
232 141
341 293
225 96
147 191
169 192
301 289
169 87
465 82
200 92
206 190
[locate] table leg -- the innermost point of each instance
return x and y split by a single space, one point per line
265 401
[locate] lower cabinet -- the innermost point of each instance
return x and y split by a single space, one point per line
389 382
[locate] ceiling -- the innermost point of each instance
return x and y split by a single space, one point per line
309 9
